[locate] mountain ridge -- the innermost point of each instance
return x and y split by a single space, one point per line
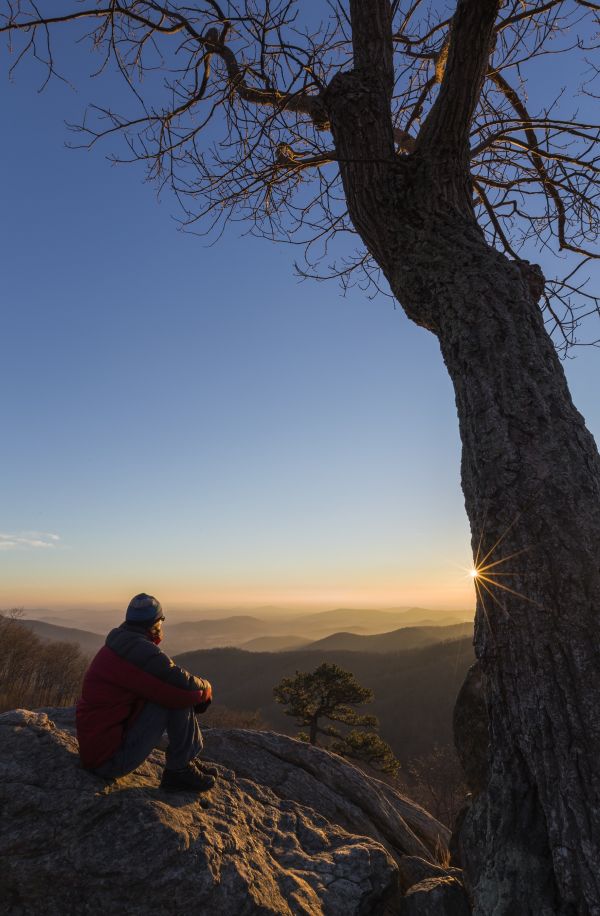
404 638
255 634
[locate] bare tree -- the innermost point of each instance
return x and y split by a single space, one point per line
437 783
34 672
407 125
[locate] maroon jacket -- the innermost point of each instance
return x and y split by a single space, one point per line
128 671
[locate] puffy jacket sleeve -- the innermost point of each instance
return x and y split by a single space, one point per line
159 665
176 692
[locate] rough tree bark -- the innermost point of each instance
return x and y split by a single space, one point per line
530 472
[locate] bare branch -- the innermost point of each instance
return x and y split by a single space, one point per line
445 131
239 124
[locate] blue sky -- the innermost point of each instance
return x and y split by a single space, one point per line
195 422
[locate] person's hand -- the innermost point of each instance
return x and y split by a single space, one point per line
203 706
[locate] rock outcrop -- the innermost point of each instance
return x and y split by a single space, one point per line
470 726
288 829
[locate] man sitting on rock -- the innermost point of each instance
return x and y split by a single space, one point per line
132 693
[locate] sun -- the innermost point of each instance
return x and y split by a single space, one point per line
490 573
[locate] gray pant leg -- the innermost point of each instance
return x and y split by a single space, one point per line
185 740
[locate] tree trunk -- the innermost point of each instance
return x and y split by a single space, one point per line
530 476
531 479
312 734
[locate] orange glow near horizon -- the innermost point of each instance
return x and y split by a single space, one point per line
447 593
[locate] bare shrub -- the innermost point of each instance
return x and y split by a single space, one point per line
223 717
436 781
35 673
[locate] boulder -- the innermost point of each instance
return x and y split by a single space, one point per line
441 896
333 787
413 870
288 829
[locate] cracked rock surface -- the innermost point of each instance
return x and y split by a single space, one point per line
288 829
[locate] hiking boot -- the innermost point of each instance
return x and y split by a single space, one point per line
188 780
207 768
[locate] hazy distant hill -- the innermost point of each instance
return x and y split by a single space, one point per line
205 634
89 642
239 630
274 643
370 620
396 641
279 632
414 690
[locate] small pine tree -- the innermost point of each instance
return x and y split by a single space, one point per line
329 692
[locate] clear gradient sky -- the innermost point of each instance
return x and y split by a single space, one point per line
196 423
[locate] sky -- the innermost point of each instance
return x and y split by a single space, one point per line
194 421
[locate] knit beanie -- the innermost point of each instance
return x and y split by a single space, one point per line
143 609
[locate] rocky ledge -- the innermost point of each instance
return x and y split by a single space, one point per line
287 829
